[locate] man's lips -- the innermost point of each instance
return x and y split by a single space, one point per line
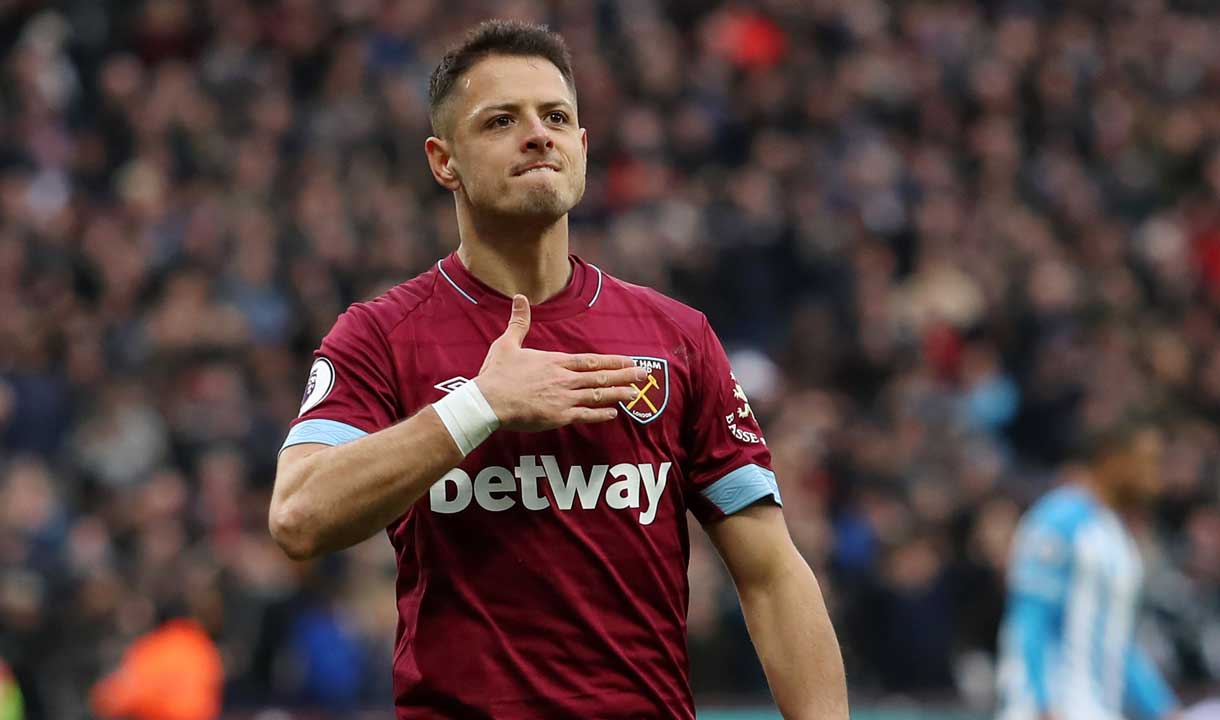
537 166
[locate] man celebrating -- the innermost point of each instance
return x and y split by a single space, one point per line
534 479
1067 643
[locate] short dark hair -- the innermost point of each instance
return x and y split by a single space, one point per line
494 37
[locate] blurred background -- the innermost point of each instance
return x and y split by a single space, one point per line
941 240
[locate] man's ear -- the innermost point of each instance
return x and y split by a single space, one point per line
441 162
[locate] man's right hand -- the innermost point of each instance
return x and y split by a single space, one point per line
536 390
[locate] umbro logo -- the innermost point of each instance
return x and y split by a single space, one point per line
453 383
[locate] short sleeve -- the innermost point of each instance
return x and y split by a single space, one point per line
729 465
1041 562
349 392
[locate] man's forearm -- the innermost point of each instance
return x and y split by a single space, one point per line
337 496
796 643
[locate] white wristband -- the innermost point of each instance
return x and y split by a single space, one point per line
467 416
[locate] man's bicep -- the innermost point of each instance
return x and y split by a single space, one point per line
293 455
753 543
287 469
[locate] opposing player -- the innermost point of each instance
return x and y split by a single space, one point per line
530 432
1067 644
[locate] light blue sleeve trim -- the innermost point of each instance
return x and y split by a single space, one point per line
741 488
327 432
1146 692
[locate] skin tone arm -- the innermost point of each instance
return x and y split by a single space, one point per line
328 498
785 614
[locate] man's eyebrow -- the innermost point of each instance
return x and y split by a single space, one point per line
512 106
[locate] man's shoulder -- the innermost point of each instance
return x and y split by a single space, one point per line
1062 511
387 311
646 303
1046 539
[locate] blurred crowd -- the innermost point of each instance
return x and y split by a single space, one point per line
941 240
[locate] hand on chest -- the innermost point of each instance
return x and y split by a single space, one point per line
442 364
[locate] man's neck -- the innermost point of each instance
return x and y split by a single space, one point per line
1107 497
516 257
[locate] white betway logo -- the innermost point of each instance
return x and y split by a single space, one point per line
498 488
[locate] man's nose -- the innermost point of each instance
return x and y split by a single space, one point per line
538 137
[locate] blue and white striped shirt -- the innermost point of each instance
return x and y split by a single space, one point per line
1067 642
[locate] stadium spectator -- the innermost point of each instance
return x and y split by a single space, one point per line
171 673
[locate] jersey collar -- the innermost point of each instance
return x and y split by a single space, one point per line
581 293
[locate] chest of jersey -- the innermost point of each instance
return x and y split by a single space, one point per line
630 466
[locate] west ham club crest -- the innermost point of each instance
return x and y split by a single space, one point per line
651 395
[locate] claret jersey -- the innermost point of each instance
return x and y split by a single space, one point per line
546 575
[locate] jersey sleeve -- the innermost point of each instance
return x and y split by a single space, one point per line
729 465
1029 629
350 391
1038 581
1041 562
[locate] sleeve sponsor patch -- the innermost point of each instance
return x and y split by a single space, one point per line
321 382
740 414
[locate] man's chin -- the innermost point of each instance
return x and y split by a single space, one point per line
535 209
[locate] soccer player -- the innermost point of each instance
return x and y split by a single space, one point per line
1067 642
530 432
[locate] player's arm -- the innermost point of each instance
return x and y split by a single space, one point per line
784 612
1031 622
1038 583
1146 694
731 489
328 497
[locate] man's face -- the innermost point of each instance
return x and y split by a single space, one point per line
515 147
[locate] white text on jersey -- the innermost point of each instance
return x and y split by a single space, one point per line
497 488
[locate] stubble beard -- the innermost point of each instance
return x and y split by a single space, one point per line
540 204
544 203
